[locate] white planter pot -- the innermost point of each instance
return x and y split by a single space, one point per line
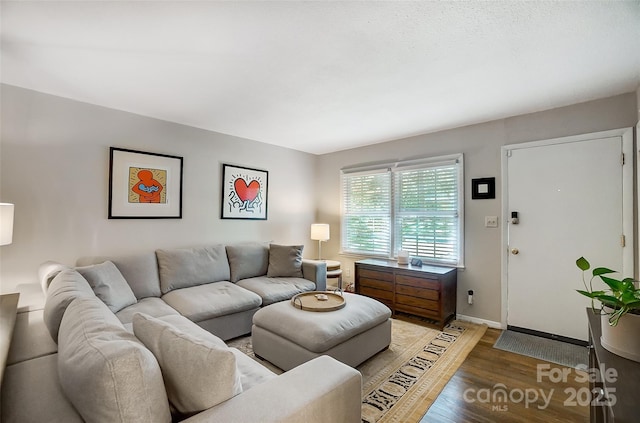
624 338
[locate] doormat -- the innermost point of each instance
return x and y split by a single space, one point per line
558 352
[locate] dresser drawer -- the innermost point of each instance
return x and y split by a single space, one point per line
417 282
374 274
417 311
377 293
427 294
376 284
418 302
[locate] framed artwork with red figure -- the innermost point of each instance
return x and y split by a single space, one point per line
244 193
144 185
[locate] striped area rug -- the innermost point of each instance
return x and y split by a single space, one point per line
401 382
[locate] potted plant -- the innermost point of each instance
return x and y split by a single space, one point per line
620 310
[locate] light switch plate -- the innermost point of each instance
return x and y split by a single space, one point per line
491 221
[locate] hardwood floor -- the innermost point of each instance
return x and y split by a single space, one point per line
472 394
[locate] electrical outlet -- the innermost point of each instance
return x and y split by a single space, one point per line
347 272
491 221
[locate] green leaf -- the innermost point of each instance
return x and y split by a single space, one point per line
633 305
587 293
594 294
628 286
614 284
629 298
602 271
610 301
583 264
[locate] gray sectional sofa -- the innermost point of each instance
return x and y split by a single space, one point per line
218 287
141 339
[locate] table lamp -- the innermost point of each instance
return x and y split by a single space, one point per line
320 232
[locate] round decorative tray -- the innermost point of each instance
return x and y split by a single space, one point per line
314 301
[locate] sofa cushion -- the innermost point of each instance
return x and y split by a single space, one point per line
182 268
140 271
252 373
272 290
203 302
285 261
248 260
106 373
109 285
32 393
64 288
198 373
31 338
185 325
152 306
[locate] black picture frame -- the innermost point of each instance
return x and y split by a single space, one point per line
144 185
245 193
483 188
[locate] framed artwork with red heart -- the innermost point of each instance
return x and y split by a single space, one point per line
244 193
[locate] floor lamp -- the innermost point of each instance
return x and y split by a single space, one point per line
320 232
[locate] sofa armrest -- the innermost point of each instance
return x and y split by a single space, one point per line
320 390
47 271
315 271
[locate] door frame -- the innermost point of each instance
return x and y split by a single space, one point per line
628 201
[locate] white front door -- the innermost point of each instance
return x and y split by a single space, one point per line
570 201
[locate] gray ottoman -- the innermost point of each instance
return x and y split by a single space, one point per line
287 336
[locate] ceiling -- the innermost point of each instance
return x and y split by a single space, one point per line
323 76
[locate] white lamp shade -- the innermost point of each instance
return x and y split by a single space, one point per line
6 223
320 231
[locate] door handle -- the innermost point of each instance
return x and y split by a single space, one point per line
515 251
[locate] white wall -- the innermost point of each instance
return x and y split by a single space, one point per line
481 147
54 165
54 156
638 101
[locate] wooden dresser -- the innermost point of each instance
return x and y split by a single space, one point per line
614 382
427 291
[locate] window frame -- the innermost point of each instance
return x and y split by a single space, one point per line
393 168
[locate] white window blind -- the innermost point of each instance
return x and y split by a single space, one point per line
366 216
414 206
426 212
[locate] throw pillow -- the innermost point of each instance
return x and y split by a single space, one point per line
285 261
198 373
140 271
248 260
185 267
109 285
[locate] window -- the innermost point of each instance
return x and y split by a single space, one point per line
414 206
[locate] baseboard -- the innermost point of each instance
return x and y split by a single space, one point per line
490 323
